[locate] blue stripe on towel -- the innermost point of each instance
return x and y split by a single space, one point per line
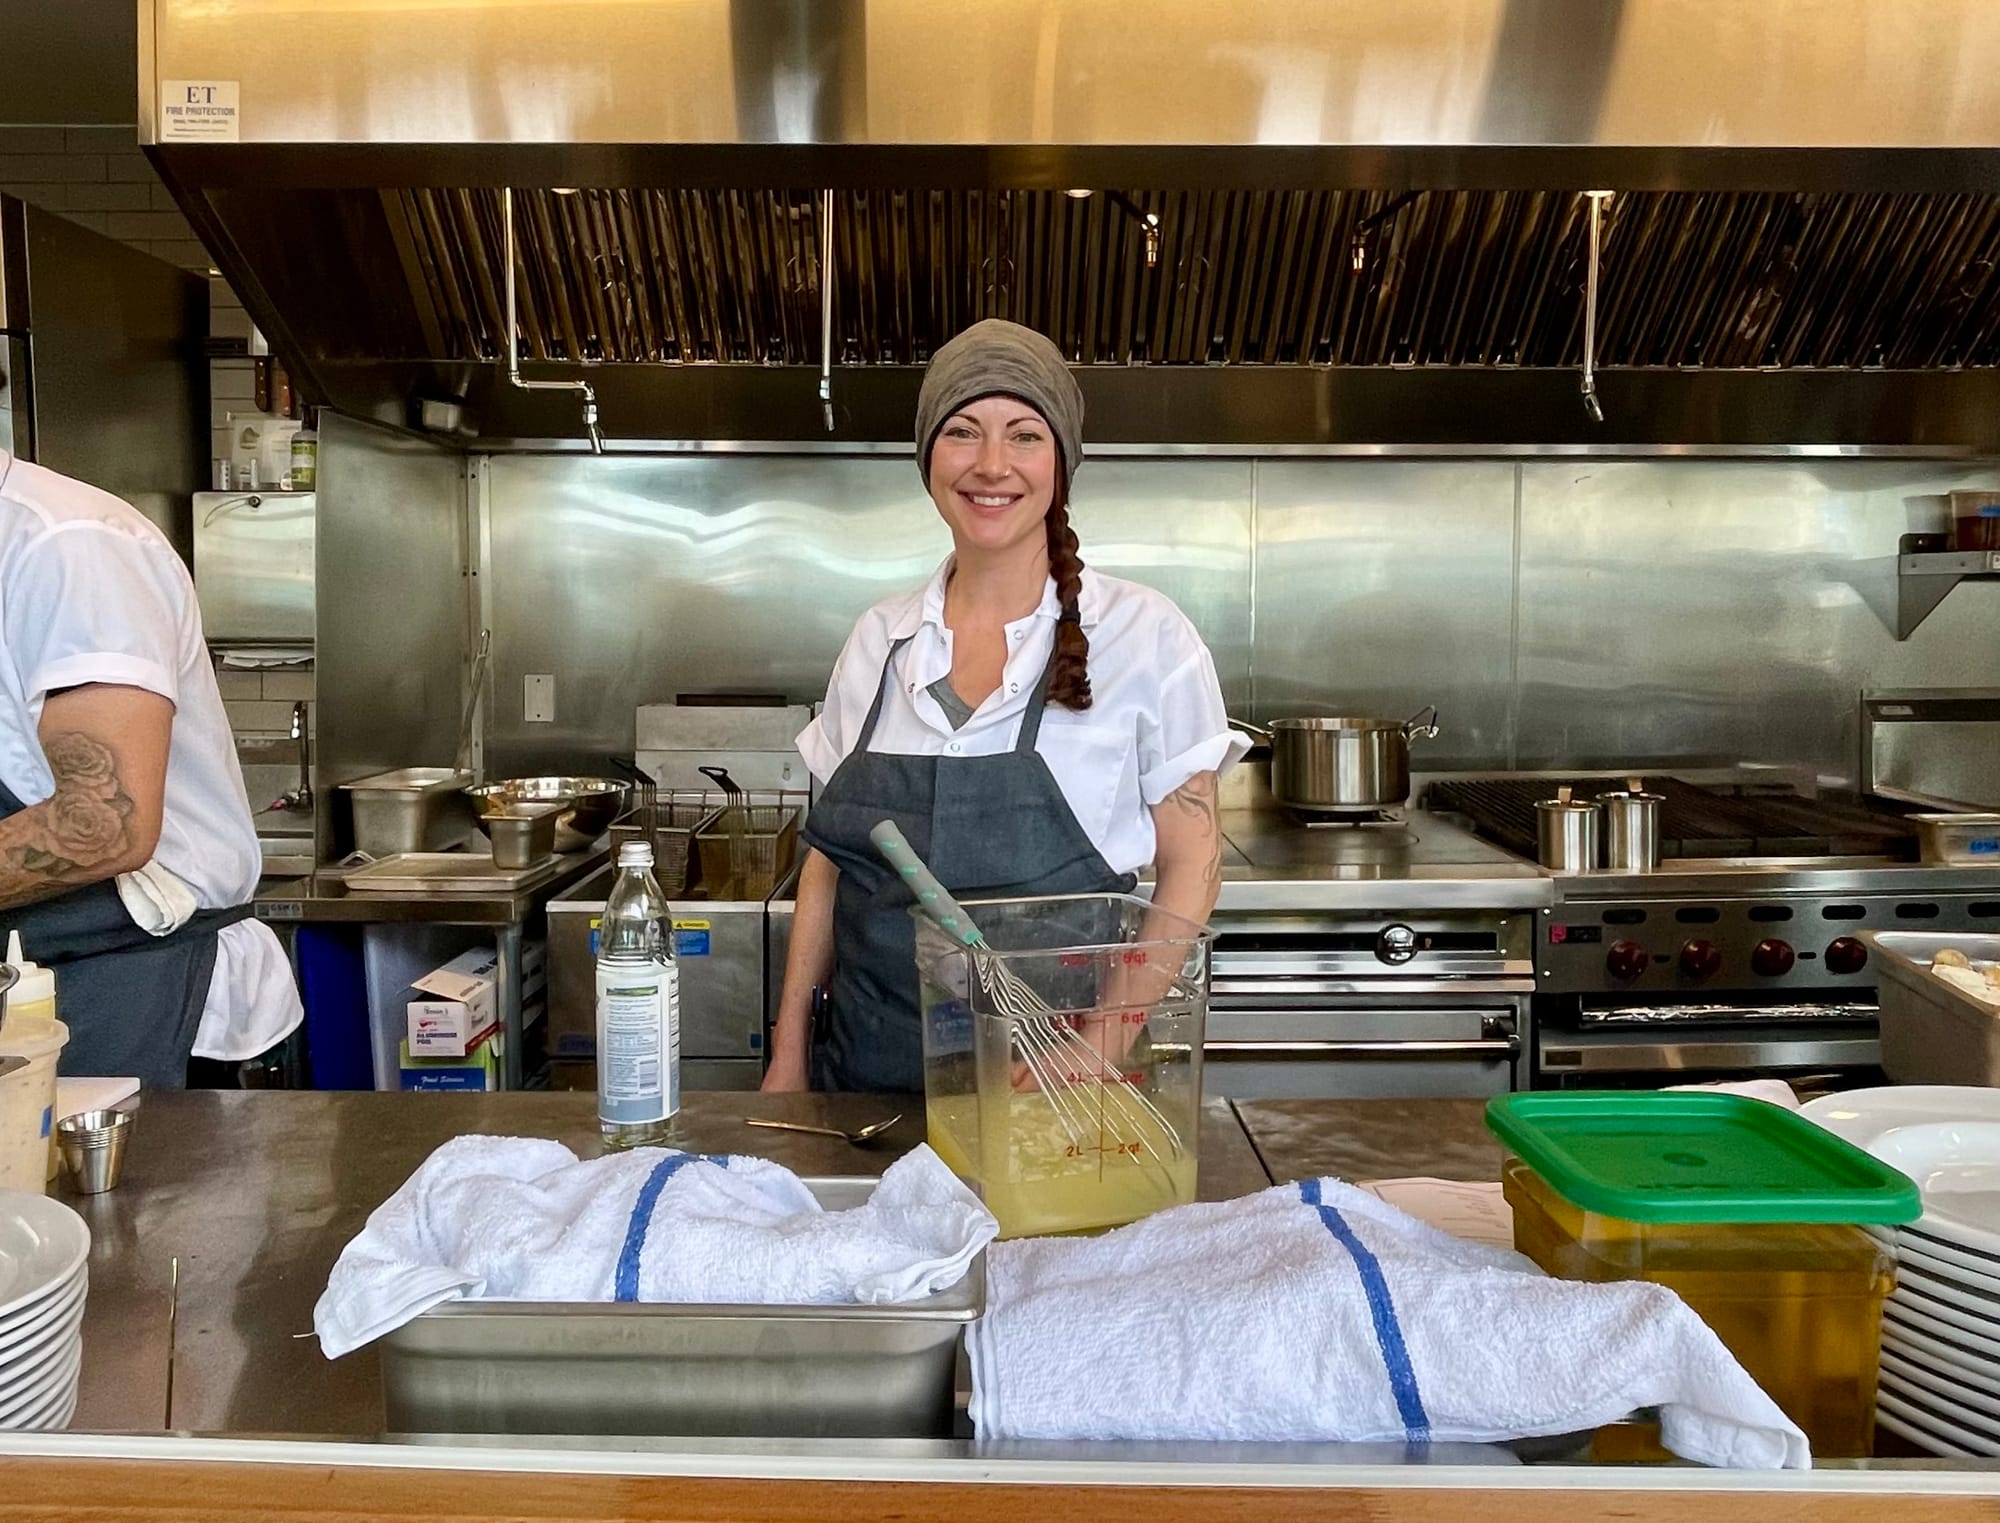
626 1286
1388 1331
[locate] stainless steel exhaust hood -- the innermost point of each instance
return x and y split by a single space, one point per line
1369 221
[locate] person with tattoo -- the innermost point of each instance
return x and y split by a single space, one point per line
128 857
1034 727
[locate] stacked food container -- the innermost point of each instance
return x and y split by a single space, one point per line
1751 1214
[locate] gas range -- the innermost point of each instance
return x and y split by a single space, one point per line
1742 952
1383 956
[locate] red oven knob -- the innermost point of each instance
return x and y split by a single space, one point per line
1846 955
1772 958
1701 959
1626 960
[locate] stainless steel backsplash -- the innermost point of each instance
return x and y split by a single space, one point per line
1565 611
390 588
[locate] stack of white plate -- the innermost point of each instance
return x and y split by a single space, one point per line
1940 1385
44 1247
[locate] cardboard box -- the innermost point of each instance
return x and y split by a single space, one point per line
453 1006
479 1069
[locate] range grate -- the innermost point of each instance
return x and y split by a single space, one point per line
1694 821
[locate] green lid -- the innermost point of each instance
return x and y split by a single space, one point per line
1690 1156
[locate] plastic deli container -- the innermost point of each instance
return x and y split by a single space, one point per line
1744 1209
1070 1098
28 1102
1975 520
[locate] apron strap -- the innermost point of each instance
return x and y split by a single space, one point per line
881 691
1038 700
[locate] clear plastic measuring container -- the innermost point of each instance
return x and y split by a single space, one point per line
1062 1063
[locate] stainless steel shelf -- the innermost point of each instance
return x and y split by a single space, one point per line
1925 576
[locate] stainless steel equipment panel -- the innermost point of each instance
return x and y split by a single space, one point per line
721 951
749 571
1699 74
1389 585
1643 586
253 565
1309 1005
1374 1048
1569 1059
1736 948
392 658
1940 747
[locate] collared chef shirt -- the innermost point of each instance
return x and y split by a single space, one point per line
91 592
1156 718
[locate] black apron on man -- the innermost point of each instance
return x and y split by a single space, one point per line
988 826
131 1000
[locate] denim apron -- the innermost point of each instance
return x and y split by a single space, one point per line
988 826
131 1000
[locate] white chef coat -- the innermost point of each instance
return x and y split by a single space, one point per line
1156 716
90 591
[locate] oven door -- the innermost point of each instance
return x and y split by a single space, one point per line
1818 1044
1366 1048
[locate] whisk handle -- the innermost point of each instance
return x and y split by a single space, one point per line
932 896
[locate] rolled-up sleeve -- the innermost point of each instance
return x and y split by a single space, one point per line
824 743
1188 732
89 604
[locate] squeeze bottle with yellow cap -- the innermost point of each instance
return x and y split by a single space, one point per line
33 999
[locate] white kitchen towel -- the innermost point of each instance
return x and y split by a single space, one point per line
158 902
1317 1312
522 1219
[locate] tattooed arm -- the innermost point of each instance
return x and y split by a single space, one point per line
107 750
1187 876
1188 861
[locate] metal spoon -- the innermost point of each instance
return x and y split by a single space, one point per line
862 1138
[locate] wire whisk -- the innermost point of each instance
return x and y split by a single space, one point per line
1090 1095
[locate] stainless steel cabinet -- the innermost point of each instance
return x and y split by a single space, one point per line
721 950
253 565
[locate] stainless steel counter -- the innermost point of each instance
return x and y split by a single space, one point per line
1273 862
325 897
1371 1139
256 1192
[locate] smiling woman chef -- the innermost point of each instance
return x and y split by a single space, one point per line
1033 726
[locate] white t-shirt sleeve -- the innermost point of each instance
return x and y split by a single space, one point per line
86 603
825 742
1188 732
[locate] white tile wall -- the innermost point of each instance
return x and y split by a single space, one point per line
260 702
97 176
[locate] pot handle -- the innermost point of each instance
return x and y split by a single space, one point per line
1418 728
1254 731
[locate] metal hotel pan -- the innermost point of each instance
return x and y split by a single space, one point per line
1934 1032
593 1367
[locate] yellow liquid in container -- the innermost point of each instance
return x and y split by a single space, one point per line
1036 1177
1798 1304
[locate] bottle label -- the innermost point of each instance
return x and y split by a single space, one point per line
638 1042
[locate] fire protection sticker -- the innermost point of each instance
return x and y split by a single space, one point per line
198 111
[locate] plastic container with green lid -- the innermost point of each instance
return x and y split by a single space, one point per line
1745 1209
1689 1156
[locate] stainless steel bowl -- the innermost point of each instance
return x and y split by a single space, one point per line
588 804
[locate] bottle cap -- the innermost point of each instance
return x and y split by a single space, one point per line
635 854
37 982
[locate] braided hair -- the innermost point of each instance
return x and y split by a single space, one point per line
1069 680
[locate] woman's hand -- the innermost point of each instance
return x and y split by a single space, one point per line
787 1074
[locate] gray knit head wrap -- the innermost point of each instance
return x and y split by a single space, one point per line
1001 359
